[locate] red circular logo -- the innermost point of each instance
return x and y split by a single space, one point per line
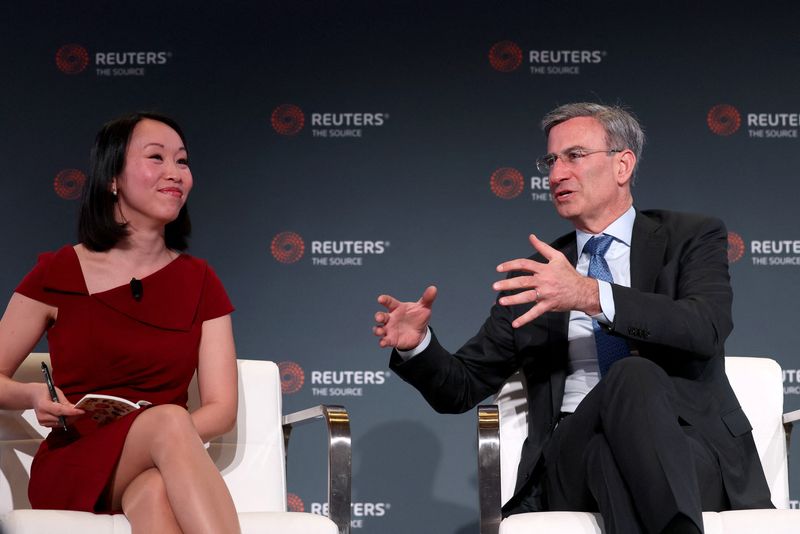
287 247
295 503
507 183
292 377
69 183
72 59
735 247
723 119
288 119
505 56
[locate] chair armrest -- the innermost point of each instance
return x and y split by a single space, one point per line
489 468
339 457
791 417
788 422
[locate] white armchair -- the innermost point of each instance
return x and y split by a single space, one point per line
251 458
758 384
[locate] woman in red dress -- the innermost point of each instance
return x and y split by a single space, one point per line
127 314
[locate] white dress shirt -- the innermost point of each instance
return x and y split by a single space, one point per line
584 372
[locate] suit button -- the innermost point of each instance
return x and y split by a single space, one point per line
638 332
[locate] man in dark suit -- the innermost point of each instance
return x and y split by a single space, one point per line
619 328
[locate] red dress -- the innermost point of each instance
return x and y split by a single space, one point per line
110 343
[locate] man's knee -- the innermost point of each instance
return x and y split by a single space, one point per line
635 381
636 370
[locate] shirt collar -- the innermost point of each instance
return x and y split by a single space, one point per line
621 230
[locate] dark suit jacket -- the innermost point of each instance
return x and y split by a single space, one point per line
676 313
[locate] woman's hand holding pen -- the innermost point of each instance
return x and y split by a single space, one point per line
48 411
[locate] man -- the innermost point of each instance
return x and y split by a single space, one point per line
619 328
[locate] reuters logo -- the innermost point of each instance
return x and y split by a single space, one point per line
288 119
505 56
735 247
507 183
723 119
287 247
292 377
294 503
72 59
69 183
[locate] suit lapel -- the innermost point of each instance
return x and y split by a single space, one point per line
648 244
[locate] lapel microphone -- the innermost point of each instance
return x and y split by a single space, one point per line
137 290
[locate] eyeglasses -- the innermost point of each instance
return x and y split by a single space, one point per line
570 157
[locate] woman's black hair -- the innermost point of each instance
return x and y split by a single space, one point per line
98 228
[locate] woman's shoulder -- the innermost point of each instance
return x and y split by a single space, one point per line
214 299
66 253
192 261
187 262
57 270
190 271
186 265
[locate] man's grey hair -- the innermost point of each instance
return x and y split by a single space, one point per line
622 128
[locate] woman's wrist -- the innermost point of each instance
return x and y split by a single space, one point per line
33 392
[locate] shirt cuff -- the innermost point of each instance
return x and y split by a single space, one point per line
408 354
607 313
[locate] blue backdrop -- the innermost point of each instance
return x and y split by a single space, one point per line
345 149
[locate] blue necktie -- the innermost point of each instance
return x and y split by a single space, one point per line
609 348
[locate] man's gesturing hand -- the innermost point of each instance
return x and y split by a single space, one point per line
552 286
405 324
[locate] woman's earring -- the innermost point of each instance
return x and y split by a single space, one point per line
114 189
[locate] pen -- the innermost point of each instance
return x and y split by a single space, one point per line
53 395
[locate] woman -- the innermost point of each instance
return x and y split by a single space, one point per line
127 314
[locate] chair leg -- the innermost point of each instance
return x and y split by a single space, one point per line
489 468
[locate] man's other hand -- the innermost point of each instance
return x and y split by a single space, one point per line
404 324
